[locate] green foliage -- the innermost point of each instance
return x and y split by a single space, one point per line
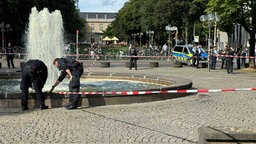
113 50
108 32
237 11
140 16
16 13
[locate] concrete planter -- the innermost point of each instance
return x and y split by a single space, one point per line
202 65
105 64
209 135
127 64
153 64
22 64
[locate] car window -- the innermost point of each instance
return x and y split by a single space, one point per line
178 49
190 50
202 50
185 50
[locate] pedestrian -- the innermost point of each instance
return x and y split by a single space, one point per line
223 58
10 55
34 75
165 49
244 54
74 69
214 54
238 54
230 56
133 57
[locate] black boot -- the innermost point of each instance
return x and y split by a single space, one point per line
24 108
43 107
71 106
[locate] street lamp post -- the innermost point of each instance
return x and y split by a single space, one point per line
134 35
174 28
210 19
168 29
4 28
140 34
151 34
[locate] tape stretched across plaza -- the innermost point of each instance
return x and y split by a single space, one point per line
159 92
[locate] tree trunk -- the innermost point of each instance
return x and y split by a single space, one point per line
186 34
252 49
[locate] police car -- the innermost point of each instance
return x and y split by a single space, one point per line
184 54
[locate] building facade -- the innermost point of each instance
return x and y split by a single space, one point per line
96 23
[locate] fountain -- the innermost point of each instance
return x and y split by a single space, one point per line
45 39
45 42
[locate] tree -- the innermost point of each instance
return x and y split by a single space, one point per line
181 14
238 11
16 13
108 32
140 16
128 20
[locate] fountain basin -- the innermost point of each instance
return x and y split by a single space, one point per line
12 100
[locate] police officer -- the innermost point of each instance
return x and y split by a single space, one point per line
196 56
229 59
34 75
74 69
213 57
10 55
133 59
194 59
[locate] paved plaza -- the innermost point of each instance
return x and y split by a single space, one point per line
169 121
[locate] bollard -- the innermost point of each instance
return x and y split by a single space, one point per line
153 64
127 64
105 64
22 64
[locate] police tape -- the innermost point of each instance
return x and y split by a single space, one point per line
160 92
92 64
141 56
230 56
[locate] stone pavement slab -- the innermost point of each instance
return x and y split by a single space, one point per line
170 121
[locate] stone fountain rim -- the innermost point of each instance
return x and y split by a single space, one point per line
172 83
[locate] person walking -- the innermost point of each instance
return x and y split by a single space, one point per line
165 50
34 75
229 59
74 70
238 54
10 55
244 54
134 58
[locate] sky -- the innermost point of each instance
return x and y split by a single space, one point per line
101 5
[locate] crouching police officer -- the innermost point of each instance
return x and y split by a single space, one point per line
74 69
34 75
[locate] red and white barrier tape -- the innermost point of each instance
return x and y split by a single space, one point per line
160 92
92 64
127 56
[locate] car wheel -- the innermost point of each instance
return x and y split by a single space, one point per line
188 63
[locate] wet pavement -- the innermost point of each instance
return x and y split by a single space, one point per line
169 121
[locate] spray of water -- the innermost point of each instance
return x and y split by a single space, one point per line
45 39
